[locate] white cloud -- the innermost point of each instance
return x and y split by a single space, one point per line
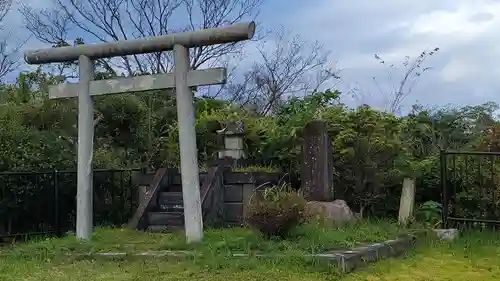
466 22
466 31
457 70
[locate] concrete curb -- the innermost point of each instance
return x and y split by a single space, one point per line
349 260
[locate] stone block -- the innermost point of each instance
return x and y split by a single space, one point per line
234 153
351 259
234 143
447 234
233 193
234 213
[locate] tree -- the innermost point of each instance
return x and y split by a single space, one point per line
368 155
113 20
8 53
286 66
401 88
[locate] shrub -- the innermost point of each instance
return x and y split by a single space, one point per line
429 213
275 211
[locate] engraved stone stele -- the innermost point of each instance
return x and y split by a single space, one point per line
316 171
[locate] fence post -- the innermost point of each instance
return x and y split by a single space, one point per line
57 216
444 189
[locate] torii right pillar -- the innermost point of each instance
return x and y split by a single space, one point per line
316 171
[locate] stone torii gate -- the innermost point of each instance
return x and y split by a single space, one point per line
182 79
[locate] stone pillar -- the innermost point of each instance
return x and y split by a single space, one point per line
233 140
316 171
407 202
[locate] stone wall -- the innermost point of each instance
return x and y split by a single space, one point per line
238 187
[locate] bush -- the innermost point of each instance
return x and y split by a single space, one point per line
275 211
429 213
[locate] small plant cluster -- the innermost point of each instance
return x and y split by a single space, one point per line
275 210
429 213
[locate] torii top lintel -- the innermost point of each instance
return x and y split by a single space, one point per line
198 38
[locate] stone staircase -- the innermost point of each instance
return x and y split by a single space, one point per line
162 209
169 213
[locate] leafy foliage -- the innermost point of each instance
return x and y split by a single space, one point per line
429 213
373 150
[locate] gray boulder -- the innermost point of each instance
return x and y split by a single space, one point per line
335 212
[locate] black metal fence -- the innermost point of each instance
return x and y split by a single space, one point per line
35 203
470 188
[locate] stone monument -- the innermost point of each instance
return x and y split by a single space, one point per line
316 171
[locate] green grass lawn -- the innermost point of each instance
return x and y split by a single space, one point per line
48 259
158 269
309 238
475 256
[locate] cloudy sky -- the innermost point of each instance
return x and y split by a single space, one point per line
466 31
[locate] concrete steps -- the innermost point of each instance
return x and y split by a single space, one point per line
168 216
168 213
